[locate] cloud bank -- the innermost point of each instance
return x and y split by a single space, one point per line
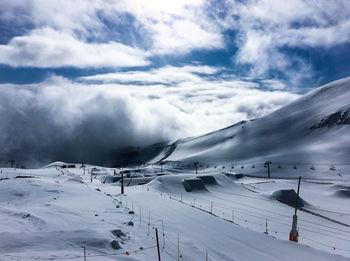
60 119
152 71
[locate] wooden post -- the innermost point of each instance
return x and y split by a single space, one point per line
158 244
122 181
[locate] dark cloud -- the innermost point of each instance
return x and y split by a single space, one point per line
39 125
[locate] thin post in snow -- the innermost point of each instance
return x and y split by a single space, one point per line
266 231
149 222
206 256
163 234
140 215
122 185
84 253
178 246
211 207
157 244
294 234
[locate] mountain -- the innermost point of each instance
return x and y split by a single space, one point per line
311 133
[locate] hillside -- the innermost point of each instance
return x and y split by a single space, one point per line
311 132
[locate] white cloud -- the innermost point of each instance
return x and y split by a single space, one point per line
267 26
64 28
167 74
48 48
206 101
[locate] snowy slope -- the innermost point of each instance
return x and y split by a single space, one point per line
313 130
52 213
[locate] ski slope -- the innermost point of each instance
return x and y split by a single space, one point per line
52 213
311 133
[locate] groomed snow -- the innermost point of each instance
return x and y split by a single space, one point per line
56 212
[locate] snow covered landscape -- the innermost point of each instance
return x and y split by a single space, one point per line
182 130
228 210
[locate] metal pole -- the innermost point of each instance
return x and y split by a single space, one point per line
178 247
158 244
294 234
296 201
267 164
84 253
91 175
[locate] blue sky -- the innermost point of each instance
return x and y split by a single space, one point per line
171 68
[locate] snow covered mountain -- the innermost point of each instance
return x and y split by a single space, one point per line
310 133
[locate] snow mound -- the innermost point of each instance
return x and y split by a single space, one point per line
208 179
289 196
343 193
193 184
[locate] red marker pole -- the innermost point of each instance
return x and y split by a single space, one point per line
294 234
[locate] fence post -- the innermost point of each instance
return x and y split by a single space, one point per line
140 215
163 234
178 246
149 222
